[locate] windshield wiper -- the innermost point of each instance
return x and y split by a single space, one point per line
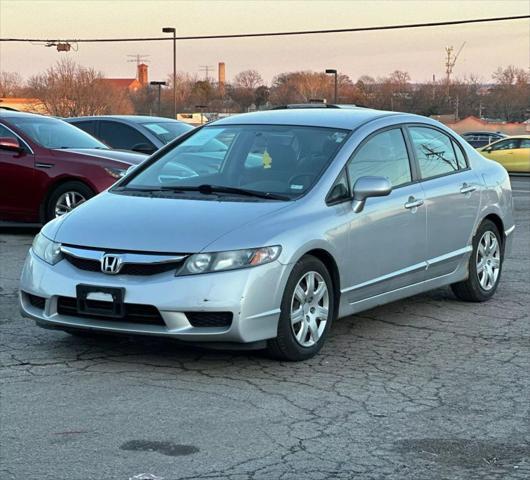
211 189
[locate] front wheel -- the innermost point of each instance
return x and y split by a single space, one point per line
307 311
485 265
65 198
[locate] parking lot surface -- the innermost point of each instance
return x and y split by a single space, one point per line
424 388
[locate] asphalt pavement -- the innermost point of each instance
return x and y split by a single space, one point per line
425 388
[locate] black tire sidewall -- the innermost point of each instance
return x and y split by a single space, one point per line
473 279
286 341
83 189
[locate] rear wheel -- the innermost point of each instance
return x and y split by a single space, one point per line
485 265
307 311
65 198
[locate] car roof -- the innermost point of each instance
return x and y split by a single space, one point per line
508 138
126 118
483 132
4 113
349 118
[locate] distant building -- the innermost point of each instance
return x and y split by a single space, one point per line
21 104
221 77
130 84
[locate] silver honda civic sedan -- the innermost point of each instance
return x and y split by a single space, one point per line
260 230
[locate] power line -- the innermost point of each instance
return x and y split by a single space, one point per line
275 34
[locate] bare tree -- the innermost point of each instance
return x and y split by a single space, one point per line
249 79
509 98
67 89
11 84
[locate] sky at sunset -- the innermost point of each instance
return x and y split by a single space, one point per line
420 51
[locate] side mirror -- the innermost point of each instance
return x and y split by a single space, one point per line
143 148
10 143
366 187
130 169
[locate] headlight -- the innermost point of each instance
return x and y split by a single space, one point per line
231 260
47 250
115 172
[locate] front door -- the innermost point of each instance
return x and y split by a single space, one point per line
17 177
387 238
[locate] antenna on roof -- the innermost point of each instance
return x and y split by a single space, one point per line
139 58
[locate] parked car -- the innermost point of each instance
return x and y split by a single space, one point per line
479 139
513 153
132 132
347 209
48 167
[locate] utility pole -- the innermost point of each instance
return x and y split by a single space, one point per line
173 30
206 69
450 63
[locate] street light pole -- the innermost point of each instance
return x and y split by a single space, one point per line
173 30
334 72
159 84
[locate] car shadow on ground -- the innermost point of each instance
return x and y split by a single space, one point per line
375 325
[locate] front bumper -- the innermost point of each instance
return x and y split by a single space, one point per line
252 295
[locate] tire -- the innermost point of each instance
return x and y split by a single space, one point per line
286 346
477 288
77 190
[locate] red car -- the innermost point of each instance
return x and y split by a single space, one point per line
48 167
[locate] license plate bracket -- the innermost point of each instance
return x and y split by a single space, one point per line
101 301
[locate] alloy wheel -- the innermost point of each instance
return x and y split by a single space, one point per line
67 202
488 260
309 309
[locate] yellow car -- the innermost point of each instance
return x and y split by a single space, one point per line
513 153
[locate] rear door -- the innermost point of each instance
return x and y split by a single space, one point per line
387 238
452 197
17 181
522 156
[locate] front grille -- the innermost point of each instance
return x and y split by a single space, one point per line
35 301
134 312
210 319
127 268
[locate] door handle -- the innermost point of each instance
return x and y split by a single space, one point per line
43 165
413 203
467 188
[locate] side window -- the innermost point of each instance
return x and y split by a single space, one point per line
508 144
383 155
340 190
460 158
525 143
6 133
434 152
118 135
88 126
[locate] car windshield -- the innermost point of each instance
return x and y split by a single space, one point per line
54 133
167 131
280 161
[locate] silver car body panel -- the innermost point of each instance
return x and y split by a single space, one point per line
384 253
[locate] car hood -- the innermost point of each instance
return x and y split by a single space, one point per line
119 155
172 225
